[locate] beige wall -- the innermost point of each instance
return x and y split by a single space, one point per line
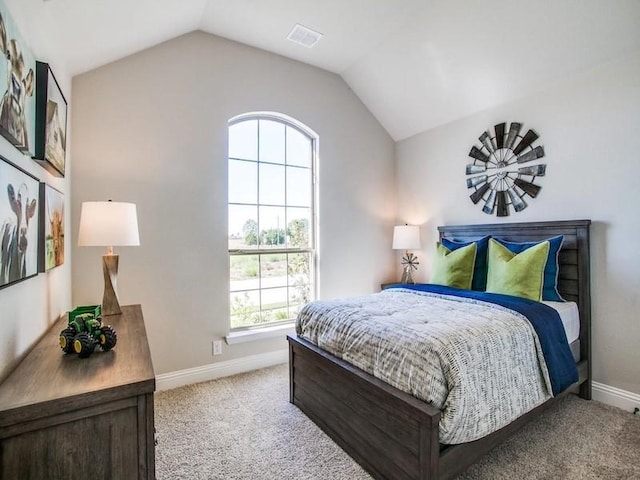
589 126
152 129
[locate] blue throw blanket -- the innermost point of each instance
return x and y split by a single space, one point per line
544 320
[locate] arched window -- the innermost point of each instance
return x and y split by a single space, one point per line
272 235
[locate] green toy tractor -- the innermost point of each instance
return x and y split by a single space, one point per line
84 332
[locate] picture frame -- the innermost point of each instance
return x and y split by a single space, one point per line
51 231
19 224
51 122
17 98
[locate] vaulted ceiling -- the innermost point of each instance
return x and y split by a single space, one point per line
416 64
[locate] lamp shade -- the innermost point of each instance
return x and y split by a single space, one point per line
104 224
406 237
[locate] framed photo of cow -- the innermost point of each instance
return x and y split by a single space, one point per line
19 220
17 74
51 121
51 234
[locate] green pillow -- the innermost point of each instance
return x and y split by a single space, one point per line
454 268
520 275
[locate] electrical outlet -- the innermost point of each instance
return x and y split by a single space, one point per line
217 347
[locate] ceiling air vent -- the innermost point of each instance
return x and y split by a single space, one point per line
304 36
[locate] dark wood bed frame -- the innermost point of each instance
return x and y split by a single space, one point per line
393 435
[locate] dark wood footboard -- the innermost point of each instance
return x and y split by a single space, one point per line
390 433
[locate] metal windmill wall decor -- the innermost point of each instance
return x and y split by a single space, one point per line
504 168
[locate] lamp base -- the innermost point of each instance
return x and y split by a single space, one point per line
110 303
407 277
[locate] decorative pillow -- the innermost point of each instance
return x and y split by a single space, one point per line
521 274
454 268
550 282
480 268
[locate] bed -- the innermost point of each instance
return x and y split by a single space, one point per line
394 435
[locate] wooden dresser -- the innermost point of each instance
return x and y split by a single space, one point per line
63 417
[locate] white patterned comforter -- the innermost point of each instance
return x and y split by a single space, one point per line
479 363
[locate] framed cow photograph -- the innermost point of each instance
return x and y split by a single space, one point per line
51 121
19 220
17 74
51 228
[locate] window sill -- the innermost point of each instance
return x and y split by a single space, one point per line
243 336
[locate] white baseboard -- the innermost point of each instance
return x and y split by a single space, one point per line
167 381
615 396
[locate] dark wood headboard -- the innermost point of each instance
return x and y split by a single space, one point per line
574 277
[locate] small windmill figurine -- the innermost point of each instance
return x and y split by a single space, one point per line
409 263
407 237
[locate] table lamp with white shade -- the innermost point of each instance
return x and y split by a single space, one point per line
407 237
109 224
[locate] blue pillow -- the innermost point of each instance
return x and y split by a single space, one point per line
550 281
479 281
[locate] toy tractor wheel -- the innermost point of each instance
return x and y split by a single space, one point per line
83 344
108 338
66 340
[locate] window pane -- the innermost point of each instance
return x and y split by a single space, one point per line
272 227
244 271
273 270
299 227
299 277
243 179
299 269
298 187
271 141
245 308
274 304
243 227
298 148
243 140
298 298
271 184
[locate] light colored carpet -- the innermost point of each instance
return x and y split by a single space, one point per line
244 427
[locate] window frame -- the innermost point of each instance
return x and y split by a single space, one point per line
312 249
